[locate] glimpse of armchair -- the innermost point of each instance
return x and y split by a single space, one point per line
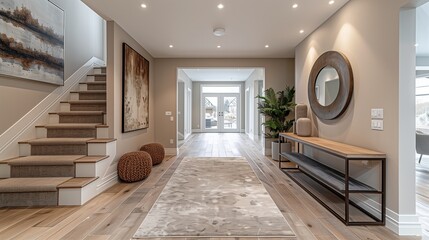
422 144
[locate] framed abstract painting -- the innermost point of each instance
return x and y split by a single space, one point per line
135 88
32 40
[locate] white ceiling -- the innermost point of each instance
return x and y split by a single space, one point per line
188 25
422 33
218 74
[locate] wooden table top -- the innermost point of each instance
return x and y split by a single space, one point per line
339 149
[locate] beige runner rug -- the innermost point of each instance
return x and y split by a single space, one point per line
214 197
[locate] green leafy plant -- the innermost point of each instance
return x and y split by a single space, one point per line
276 107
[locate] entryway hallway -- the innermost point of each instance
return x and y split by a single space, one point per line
118 212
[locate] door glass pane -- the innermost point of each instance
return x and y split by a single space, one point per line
228 89
422 104
211 110
230 112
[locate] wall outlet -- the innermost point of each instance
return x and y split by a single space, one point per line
377 125
167 113
172 119
171 141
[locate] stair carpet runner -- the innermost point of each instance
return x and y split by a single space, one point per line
47 164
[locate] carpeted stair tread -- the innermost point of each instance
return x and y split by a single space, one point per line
90 91
97 74
77 182
86 101
16 185
73 125
95 83
102 140
41 160
58 141
80 113
91 159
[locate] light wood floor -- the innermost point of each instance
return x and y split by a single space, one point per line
118 212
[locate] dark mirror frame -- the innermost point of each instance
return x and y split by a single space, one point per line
340 63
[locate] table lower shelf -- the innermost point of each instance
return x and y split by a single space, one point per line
327 175
333 201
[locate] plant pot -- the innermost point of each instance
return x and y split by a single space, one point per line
286 147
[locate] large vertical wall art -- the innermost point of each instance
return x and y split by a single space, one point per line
135 87
32 40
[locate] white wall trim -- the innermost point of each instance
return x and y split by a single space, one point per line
196 130
171 151
403 225
24 127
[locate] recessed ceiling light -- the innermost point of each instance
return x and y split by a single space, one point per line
267 46
220 6
416 45
295 5
143 5
301 31
219 46
170 46
331 2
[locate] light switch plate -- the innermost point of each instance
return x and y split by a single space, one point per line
377 125
377 113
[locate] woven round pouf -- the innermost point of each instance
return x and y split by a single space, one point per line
156 151
134 166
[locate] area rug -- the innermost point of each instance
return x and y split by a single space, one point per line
214 197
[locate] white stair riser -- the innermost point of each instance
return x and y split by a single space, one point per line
90 78
83 87
41 132
74 96
86 169
103 132
54 118
77 196
102 149
24 149
64 107
97 71
4 171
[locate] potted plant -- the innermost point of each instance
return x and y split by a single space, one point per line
276 107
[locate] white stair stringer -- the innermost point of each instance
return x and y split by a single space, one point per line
79 196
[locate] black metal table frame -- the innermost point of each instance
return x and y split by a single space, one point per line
345 197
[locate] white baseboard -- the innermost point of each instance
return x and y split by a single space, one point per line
23 129
403 225
171 151
196 130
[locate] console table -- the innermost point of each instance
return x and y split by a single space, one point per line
316 178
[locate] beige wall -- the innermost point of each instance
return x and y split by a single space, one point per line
278 73
84 39
367 32
132 141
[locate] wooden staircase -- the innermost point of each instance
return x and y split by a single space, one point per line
70 154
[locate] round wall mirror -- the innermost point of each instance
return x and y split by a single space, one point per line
330 87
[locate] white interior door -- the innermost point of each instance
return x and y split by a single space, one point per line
220 112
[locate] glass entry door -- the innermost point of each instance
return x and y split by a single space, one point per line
221 112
